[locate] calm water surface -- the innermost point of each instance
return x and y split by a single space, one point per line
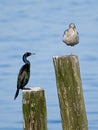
37 26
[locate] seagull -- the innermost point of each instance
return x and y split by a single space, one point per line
71 36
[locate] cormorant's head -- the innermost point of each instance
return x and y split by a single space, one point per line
28 54
72 25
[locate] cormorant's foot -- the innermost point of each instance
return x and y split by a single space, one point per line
26 88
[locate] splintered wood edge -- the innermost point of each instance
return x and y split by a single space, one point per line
33 89
56 57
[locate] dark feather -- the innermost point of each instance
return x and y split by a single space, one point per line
23 77
24 74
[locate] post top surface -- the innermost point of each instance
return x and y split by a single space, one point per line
33 89
71 55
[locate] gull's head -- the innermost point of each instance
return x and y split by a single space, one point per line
72 25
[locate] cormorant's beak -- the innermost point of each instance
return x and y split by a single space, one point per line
32 53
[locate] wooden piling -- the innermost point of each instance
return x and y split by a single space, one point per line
70 93
34 109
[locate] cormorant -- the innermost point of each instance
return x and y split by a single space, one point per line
71 36
24 74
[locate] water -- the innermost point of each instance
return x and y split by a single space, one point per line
37 26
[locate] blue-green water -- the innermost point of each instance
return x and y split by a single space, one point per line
37 26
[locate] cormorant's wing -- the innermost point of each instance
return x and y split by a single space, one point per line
23 76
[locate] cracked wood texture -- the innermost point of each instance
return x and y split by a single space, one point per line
70 94
34 110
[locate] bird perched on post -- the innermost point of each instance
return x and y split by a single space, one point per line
71 36
24 74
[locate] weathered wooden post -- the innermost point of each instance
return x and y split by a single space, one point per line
70 93
34 109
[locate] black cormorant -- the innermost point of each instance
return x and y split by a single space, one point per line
71 36
24 74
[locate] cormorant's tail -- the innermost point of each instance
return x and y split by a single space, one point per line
16 94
